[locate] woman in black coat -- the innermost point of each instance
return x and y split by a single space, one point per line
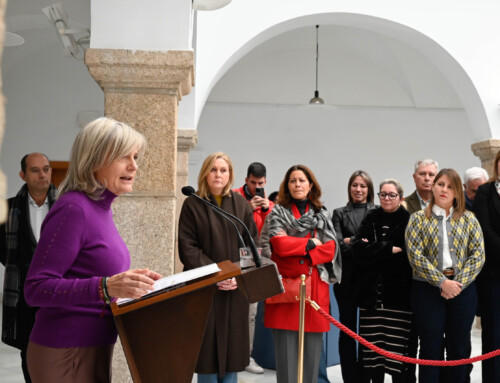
383 284
206 237
346 221
486 206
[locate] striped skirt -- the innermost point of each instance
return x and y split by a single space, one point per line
389 330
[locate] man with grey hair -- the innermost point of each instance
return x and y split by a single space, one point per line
473 178
423 176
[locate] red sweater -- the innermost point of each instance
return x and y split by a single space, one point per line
259 216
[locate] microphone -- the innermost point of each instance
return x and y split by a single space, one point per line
189 191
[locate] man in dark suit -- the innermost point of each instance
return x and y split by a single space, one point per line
18 239
423 176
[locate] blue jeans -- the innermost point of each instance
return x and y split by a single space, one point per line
435 316
230 377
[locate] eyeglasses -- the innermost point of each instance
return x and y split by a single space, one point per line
391 196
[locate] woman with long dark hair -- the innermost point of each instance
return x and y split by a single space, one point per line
303 242
346 221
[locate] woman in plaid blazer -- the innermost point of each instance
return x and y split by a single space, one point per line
446 251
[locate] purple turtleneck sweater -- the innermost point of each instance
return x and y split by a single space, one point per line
79 243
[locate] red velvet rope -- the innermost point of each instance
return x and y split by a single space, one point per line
401 358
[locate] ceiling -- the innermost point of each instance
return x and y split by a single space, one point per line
23 15
357 68
25 18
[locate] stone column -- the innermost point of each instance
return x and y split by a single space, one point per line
142 89
3 181
486 151
186 140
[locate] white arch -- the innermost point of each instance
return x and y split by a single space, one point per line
435 53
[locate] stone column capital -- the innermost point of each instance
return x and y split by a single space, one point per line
128 71
186 139
486 151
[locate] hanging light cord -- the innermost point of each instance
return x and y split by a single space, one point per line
317 57
316 100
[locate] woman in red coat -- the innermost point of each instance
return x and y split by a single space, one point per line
303 242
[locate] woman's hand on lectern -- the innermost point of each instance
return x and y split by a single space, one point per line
228 284
132 283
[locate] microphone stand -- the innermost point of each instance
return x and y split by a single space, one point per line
188 190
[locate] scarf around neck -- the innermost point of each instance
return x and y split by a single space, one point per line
12 288
319 225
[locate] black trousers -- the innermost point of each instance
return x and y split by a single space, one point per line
489 291
348 316
435 316
24 365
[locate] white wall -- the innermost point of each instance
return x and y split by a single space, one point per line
44 92
333 143
155 25
459 36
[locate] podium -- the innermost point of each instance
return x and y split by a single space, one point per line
162 334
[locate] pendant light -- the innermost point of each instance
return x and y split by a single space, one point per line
316 100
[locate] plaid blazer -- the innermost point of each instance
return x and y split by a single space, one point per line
424 244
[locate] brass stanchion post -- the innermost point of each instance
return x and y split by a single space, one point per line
302 303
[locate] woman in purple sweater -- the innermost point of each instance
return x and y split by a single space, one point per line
81 261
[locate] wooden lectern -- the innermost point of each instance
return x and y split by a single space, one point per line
162 334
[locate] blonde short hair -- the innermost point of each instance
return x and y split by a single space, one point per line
206 168
96 146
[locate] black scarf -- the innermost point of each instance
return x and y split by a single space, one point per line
12 288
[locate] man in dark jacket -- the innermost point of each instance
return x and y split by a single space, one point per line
18 239
423 176
253 191
254 185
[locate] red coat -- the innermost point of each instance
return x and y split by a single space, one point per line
259 216
290 256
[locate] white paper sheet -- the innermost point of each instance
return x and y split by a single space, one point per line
177 279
